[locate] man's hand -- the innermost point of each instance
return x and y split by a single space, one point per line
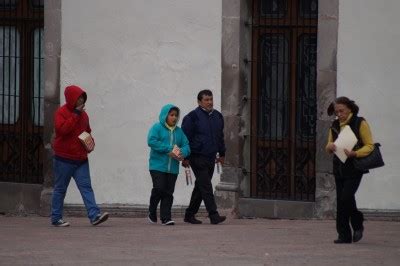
91 148
220 160
185 163
350 154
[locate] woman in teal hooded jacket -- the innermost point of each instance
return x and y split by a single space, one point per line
169 145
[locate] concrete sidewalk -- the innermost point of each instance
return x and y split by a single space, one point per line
128 241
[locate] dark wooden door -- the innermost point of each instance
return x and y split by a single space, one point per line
283 124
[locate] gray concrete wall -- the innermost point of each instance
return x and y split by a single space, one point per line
325 195
19 198
52 39
368 72
250 208
234 107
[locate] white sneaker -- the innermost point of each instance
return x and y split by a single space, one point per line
152 219
168 222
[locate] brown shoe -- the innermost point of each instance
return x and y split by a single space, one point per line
217 219
192 220
358 234
341 241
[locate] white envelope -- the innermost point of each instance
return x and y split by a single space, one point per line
346 140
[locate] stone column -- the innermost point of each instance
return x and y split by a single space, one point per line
325 197
52 41
234 89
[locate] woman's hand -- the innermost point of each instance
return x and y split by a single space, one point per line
179 157
350 154
176 154
80 108
172 155
331 147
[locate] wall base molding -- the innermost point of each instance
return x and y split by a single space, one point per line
381 215
125 210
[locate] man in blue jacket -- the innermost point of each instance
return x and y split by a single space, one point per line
204 128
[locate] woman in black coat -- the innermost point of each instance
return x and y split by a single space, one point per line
347 177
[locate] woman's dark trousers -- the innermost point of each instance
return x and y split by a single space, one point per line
163 190
347 212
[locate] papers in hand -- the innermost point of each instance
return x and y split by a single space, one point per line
188 176
346 140
87 141
176 151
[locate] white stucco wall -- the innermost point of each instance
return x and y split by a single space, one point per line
132 57
369 72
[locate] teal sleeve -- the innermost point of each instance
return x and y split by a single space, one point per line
154 142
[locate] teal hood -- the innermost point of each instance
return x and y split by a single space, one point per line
164 113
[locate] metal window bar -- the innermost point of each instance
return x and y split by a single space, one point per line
21 99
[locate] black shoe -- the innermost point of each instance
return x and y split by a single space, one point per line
358 234
61 223
168 222
100 218
341 241
192 220
217 219
152 218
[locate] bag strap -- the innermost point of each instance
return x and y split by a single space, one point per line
354 124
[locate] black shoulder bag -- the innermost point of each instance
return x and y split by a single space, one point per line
373 160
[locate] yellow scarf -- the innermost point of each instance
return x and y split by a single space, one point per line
347 120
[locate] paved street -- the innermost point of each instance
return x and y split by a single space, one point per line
132 241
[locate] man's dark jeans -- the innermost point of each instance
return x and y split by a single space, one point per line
203 169
163 190
347 212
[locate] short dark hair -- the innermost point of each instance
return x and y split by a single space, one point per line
174 109
204 93
345 101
